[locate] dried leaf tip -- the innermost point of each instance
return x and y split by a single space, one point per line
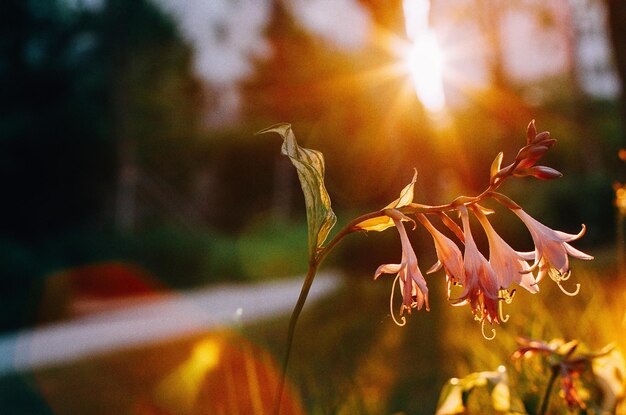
279 128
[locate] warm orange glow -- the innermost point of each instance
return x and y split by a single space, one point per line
180 389
425 64
424 58
620 198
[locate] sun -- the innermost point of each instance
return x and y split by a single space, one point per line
417 59
425 65
423 56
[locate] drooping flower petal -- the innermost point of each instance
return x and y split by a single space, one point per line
448 253
480 289
551 248
509 265
412 282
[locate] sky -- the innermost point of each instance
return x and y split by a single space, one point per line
227 36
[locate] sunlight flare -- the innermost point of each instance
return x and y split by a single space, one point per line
180 389
424 58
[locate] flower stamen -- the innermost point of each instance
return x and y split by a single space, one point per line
393 317
570 293
559 278
503 318
482 330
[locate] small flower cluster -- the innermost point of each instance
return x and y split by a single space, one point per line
569 364
485 282
590 382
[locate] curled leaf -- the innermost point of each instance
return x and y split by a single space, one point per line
310 167
383 222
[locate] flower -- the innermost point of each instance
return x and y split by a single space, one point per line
509 265
560 354
552 249
481 288
411 280
448 254
569 363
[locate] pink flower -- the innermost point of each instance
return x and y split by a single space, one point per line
551 248
448 254
564 362
412 282
509 265
481 288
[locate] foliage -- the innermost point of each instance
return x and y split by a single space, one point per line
310 167
485 283
455 394
581 374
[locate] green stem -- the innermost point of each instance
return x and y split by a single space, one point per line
349 228
308 281
546 397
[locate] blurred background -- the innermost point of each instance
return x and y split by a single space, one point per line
131 174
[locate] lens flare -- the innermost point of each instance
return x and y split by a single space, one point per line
424 58
425 65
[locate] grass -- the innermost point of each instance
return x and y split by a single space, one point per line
348 357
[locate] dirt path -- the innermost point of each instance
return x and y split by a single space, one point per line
154 320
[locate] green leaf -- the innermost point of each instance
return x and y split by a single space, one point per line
451 399
609 372
455 394
310 167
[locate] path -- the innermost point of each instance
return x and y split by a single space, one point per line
167 317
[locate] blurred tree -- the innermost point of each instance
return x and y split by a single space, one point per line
85 93
154 107
617 29
354 105
54 157
80 89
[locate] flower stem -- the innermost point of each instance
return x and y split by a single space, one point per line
349 228
304 292
546 397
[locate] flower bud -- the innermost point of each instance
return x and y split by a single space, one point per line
545 173
523 152
533 155
548 142
531 132
544 135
